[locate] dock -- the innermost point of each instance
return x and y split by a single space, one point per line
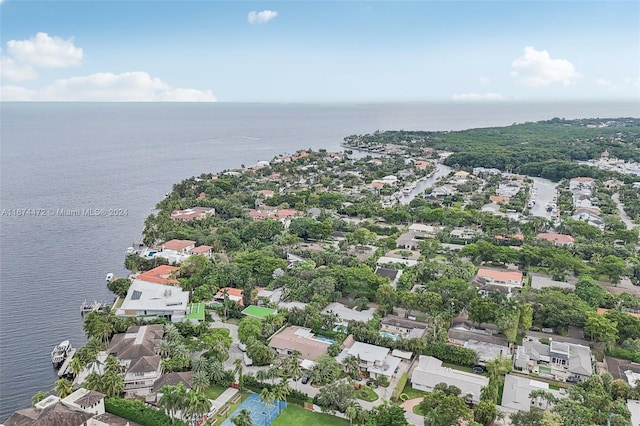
92 307
65 365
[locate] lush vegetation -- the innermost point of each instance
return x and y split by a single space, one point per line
138 412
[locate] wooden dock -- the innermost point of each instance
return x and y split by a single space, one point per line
65 365
92 307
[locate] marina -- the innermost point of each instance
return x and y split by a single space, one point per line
95 306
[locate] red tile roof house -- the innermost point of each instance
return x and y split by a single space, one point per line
496 279
234 294
163 274
557 239
266 193
193 213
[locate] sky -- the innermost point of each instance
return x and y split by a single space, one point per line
320 51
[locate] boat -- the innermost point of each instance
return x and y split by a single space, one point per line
109 277
60 352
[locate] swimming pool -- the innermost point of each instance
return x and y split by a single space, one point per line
325 339
389 335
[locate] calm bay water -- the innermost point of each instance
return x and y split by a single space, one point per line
127 156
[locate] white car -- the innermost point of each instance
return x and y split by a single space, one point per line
242 347
247 361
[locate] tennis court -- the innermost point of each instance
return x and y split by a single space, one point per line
258 311
261 414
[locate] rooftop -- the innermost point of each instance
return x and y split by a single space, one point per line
368 353
300 339
163 274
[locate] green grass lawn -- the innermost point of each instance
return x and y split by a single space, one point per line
366 393
214 391
411 393
232 407
258 311
296 415
458 367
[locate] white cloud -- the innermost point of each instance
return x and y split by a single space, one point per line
15 71
484 80
17 93
478 97
130 86
44 51
537 68
261 17
606 83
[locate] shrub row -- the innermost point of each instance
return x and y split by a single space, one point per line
139 412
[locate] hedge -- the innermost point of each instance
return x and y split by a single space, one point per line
400 387
139 412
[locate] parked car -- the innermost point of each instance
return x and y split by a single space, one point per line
547 330
371 384
478 369
572 379
535 329
242 347
305 379
247 361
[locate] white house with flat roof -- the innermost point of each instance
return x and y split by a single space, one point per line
345 315
376 360
429 372
150 300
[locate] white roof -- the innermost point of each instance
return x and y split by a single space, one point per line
368 353
429 372
388 366
517 390
634 408
401 354
384 259
633 378
347 314
307 364
154 297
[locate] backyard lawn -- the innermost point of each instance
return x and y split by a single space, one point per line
214 391
411 392
296 415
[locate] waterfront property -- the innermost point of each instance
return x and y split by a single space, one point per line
82 407
136 351
163 274
147 300
194 213
429 372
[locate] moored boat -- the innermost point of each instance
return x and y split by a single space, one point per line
109 277
60 352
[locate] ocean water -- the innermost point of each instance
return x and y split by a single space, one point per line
125 157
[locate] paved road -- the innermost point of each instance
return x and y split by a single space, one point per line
623 215
545 193
412 418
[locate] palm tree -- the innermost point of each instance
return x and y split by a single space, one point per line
200 380
351 365
169 399
163 348
216 371
242 419
197 405
238 370
76 366
112 383
267 397
293 368
351 411
93 381
38 396
113 364
171 333
280 393
94 346
63 388
262 375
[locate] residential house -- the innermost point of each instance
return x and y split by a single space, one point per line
163 274
421 230
393 275
429 372
557 239
386 260
376 360
588 215
558 360
176 251
346 315
299 339
265 193
487 280
443 191
136 351
234 294
206 251
293 260
82 408
172 379
405 327
466 234
580 182
147 300
539 281
408 241
517 391
194 213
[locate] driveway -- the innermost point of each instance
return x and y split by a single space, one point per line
412 418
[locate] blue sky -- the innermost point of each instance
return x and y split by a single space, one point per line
320 51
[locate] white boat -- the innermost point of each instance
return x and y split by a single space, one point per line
109 277
60 352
